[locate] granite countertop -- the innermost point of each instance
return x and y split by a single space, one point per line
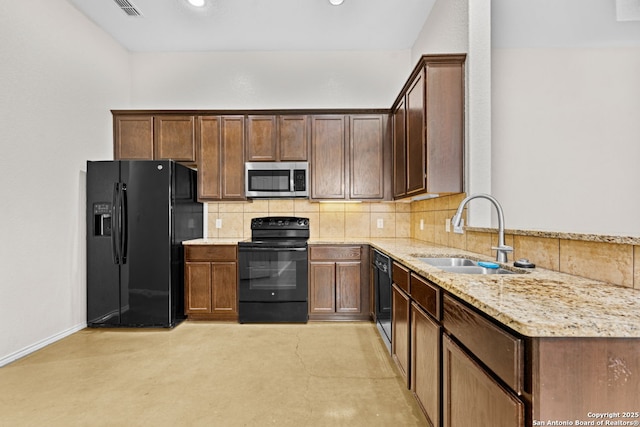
536 303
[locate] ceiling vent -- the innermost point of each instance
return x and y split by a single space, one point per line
128 8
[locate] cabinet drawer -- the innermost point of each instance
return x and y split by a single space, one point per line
500 351
426 294
210 253
401 277
334 253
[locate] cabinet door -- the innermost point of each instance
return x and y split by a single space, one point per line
400 331
445 126
366 171
415 136
198 287
348 287
261 139
293 133
224 285
232 165
328 157
209 150
133 137
322 287
174 138
469 393
399 150
425 363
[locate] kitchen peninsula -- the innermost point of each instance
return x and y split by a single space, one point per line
552 346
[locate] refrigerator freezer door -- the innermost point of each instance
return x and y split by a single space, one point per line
145 277
103 270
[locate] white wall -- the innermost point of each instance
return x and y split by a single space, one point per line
566 133
446 30
59 75
268 80
566 116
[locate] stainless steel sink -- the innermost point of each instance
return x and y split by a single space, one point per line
448 262
461 265
476 269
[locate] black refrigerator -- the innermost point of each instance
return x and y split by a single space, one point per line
138 214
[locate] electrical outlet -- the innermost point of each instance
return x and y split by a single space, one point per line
421 224
218 223
380 223
447 225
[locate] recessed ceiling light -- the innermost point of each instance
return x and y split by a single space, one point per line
196 3
336 2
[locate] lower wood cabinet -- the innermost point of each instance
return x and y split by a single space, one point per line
400 312
400 330
471 396
454 384
425 363
211 277
466 368
336 289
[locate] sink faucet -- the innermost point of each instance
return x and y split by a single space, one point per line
502 249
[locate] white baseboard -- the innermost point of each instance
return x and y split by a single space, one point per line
40 344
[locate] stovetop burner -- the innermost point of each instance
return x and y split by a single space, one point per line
284 229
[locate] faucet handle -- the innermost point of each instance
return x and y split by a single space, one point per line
501 252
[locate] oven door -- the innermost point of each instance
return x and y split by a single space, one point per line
272 274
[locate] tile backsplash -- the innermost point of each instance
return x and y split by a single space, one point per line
595 258
426 220
327 220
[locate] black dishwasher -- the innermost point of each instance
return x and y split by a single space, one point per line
382 289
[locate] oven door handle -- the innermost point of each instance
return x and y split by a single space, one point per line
257 248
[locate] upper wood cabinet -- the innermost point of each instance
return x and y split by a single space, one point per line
366 157
348 157
133 137
221 158
328 157
293 136
277 138
415 144
154 137
399 149
444 103
428 134
174 138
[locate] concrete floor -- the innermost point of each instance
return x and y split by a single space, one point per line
211 374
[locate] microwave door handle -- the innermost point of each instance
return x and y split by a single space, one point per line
292 181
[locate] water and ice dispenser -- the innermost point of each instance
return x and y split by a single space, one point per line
102 219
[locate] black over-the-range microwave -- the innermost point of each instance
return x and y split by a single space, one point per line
276 179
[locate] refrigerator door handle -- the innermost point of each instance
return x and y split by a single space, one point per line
124 221
115 227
